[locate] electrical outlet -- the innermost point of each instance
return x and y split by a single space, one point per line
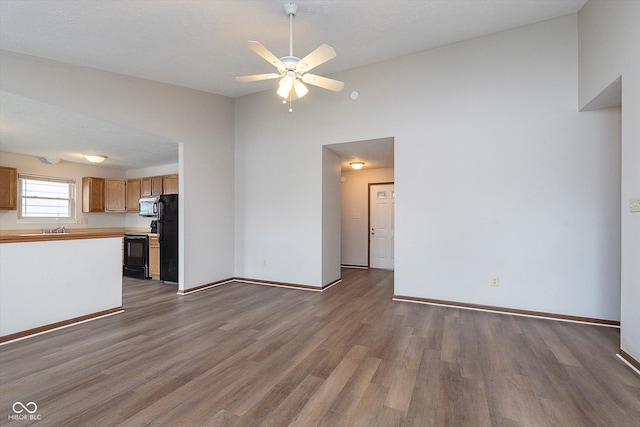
495 281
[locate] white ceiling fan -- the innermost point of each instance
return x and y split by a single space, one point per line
292 71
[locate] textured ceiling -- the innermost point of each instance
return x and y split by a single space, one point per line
200 43
43 130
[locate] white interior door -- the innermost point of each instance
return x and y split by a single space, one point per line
381 226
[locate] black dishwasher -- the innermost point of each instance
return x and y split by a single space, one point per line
136 256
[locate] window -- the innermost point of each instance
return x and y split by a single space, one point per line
42 197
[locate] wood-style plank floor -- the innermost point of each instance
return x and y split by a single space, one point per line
250 355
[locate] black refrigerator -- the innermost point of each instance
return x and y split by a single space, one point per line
168 237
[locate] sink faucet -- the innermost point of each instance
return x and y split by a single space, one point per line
60 229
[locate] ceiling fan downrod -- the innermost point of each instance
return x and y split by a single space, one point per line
291 9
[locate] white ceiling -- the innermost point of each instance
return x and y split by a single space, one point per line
375 153
200 44
43 130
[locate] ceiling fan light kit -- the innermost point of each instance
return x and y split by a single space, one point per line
292 71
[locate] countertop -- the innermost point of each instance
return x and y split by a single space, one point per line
18 236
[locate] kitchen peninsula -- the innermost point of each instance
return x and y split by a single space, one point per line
51 280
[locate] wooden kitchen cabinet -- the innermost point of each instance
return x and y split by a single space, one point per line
115 196
133 194
92 194
8 188
154 257
145 187
156 186
170 184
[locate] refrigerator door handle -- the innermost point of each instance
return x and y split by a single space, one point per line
160 220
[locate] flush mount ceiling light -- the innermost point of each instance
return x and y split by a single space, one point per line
292 71
356 165
95 158
51 160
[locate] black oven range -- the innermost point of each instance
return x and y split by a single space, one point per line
136 256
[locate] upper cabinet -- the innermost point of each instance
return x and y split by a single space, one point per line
122 195
151 186
115 197
92 194
8 188
156 186
133 194
170 184
145 187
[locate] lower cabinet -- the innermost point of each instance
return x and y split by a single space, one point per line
154 257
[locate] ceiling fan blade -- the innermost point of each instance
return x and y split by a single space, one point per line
265 54
315 58
258 77
323 82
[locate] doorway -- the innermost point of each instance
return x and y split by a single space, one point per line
376 158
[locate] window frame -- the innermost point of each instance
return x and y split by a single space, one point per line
47 219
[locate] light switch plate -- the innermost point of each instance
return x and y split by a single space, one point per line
355 215
634 205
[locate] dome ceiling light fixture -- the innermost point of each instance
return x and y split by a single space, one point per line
292 71
95 158
51 160
356 165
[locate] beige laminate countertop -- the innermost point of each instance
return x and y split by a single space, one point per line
17 236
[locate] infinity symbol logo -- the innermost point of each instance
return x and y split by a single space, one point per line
22 407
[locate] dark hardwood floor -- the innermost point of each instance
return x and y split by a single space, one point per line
248 355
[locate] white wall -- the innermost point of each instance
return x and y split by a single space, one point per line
34 165
202 122
609 48
153 171
496 174
78 282
355 200
281 241
330 216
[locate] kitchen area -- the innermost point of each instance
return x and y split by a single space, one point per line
154 255
56 271
147 252
151 253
